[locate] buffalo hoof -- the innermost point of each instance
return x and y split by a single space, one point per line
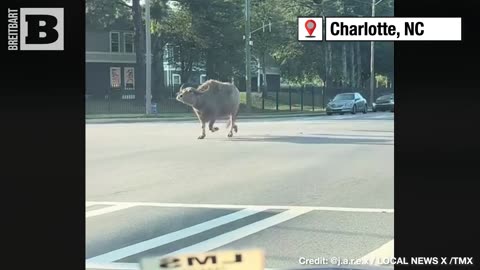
235 128
230 134
201 136
214 129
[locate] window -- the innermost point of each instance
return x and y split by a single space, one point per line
128 42
203 78
129 77
115 77
177 79
344 97
114 41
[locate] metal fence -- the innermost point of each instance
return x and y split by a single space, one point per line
285 99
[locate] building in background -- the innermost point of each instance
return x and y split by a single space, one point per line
111 60
110 63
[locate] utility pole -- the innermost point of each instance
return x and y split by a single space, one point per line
248 84
324 92
372 61
264 66
148 62
320 3
259 73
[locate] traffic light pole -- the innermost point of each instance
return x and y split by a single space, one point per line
248 84
372 61
148 62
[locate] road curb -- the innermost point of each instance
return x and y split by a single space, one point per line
186 119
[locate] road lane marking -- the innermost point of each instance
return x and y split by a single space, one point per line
386 117
242 232
383 252
171 237
106 210
240 206
113 266
339 117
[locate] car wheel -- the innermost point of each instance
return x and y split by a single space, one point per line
365 108
329 113
354 109
341 113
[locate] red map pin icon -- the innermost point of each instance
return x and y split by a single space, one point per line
310 26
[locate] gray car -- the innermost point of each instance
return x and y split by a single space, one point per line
347 103
384 103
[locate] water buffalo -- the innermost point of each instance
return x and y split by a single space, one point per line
212 100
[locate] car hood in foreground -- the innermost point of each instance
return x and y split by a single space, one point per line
361 267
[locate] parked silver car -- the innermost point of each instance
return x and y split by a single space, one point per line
347 102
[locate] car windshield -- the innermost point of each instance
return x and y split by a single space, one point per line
344 97
386 97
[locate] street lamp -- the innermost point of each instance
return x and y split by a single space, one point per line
248 43
258 59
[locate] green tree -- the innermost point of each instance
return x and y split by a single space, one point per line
218 26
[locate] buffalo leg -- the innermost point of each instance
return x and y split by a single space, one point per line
234 120
232 125
203 131
211 127
202 122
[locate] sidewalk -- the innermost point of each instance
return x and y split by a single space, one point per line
174 117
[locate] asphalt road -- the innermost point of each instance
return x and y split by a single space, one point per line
297 188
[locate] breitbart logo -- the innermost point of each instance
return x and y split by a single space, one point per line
35 29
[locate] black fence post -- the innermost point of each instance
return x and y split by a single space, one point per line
313 99
276 98
323 95
263 98
290 97
301 98
109 97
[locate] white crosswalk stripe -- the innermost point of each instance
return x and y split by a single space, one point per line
171 237
110 260
106 210
229 237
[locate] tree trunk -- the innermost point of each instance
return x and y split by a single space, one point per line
183 68
187 65
352 65
211 74
344 65
330 63
139 50
158 85
359 64
325 66
264 74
